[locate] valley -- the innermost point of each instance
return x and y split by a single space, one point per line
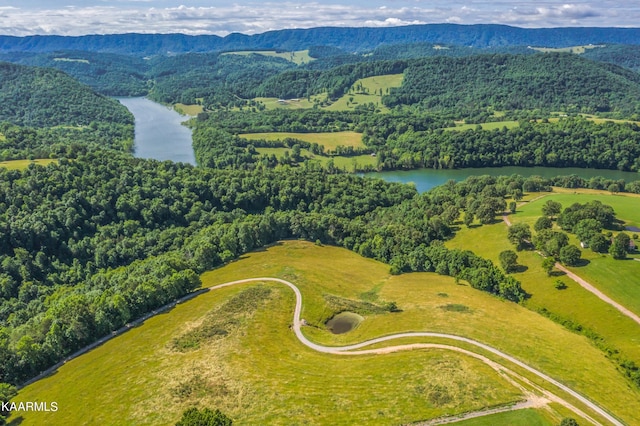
343 231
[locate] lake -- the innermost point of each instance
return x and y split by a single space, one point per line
159 132
425 179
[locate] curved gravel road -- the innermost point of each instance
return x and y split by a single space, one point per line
347 350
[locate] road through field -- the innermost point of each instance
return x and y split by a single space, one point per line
588 286
355 350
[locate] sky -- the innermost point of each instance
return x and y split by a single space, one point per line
194 17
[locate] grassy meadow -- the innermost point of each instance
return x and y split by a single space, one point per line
330 140
261 374
618 279
191 110
571 49
23 164
367 90
486 126
350 164
298 57
525 417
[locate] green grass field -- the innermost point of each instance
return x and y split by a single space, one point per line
330 140
618 279
23 164
367 90
350 164
572 49
526 417
275 103
297 57
486 126
185 109
262 375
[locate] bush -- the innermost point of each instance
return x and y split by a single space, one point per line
206 417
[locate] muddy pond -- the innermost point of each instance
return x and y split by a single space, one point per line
344 322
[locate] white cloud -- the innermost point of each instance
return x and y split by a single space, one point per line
260 17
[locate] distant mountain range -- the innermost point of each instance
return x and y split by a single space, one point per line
348 39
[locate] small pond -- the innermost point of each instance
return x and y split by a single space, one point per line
344 322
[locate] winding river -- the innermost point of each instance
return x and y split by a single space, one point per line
160 134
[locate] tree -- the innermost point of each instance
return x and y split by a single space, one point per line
620 246
617 250
543 222
206 417
519 234
568 421
586 229
548 263
551 208
508 260
560 285
7 392
570 255
512 206
599 243
468 219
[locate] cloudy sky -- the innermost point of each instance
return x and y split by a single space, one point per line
75 17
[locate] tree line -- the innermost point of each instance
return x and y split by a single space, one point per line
90 244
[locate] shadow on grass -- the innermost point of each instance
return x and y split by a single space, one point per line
582 262
518 269
557 274
15 422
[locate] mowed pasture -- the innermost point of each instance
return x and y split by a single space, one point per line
524 417
574 302
191 110
23 164
367 90
330 140
618 279
510 124
571 49
353 163
298 57
261 374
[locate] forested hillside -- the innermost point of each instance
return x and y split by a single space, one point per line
42 97
105 238
551 81
348 39
109 74
99 238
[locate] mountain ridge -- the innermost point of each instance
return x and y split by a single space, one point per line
353 39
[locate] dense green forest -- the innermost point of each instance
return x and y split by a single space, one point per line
83 240
109 74
348 39
43 97
100 238
552 81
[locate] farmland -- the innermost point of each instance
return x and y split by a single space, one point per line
284 380
23 164
330 141
297 57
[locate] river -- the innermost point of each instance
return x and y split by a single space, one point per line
425 179
159 132
160 135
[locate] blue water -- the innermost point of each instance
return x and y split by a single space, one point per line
159 132
425 179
